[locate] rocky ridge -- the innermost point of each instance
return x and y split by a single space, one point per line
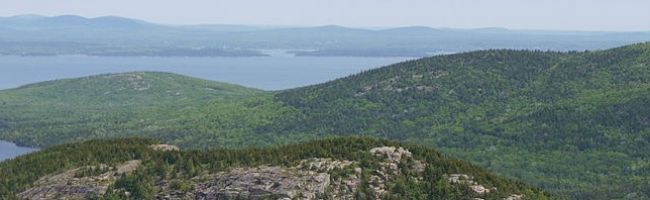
315 178
80 183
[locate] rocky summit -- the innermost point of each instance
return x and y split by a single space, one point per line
311 179
80 183
337 168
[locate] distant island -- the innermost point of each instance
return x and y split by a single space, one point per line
34 35
59 49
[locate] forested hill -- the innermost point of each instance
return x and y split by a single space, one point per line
338 168
155 104
138 88
573 123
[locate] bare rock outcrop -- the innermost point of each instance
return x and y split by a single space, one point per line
469 181
390 168
164 147
310 179
314 178
129 81
515 197
77 184
262 183
393 154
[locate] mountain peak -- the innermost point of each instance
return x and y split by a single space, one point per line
27 17
331 26
413 28
74 21
338 168
334 28
73 17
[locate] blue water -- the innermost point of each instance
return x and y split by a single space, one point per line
10 150
268 73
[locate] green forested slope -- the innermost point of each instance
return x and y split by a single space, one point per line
160 105
574 123
18 174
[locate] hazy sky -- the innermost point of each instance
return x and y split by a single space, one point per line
515 14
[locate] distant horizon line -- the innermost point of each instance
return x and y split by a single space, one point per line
279 26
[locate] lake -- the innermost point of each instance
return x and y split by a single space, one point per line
268 73
10 150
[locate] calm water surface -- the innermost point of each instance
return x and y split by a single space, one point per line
10 150
268 73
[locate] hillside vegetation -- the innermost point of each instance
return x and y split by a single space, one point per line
582 118
159 105
419 173
574 123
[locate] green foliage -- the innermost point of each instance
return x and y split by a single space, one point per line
573 123
138 185
15 177
181 186
174 108
18 173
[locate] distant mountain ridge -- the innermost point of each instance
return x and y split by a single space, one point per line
31 35
76 20
73 21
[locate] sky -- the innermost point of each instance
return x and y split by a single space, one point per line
600 15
